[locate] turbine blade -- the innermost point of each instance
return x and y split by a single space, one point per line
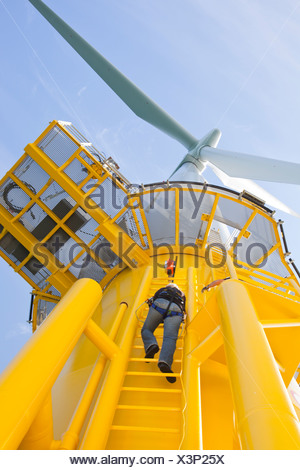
239 184
249 166
129 93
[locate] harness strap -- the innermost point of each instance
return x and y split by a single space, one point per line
166 313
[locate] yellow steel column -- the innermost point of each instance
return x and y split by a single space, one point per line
40 433
28 379
71 436
192 432
265 415
231 267
98 428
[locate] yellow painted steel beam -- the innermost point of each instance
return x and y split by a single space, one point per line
14 266
265 415
40 361
265 256
46 131
71 436
121 243
59 223
295 286
101 340
98 428
111 274
176 216
46 296
33 198
281 323
40 433
282 282
84 147
272 289
244 229
212 270
192 427
261 271
230 266
144 220
210 220
62 281
138 226
208 346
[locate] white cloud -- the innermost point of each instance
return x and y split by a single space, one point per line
21 329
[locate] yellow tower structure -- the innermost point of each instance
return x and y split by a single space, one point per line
93 247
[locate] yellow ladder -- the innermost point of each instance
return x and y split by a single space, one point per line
149 412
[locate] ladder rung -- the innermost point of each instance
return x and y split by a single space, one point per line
149 389
144 429
147 408
146 359
152 374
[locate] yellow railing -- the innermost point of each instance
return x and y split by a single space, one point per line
40 361
265 415
27 414
98 428
235 269
70 438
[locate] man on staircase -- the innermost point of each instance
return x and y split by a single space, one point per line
167 306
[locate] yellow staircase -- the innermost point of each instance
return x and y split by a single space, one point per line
149 412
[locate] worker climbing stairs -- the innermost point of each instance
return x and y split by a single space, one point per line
149 412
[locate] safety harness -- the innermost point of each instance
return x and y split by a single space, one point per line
173 296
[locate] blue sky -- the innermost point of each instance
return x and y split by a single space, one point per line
234 65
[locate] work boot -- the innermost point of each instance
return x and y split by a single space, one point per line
166 369
151 351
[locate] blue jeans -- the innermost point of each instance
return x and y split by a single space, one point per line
171 328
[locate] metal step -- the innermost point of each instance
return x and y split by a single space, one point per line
152 390
148 408
152 374
146 360
144 429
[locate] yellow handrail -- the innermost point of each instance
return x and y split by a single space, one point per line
265 415
191 429
71 436
39 363
98 428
